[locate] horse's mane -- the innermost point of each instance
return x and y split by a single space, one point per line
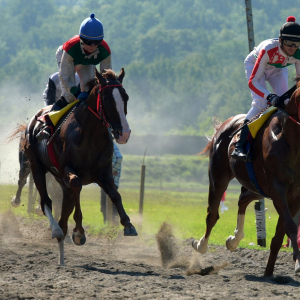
107 74
297 80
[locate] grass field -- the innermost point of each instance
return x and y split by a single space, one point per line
186 211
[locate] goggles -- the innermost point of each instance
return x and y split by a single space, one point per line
91 42
290 43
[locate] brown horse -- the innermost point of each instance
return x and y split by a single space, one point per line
276 162
83 149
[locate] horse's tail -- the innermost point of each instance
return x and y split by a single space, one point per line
206 150
17 133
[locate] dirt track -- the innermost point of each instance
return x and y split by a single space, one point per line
133 268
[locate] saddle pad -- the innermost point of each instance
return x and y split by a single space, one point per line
56 115
42 151
259 122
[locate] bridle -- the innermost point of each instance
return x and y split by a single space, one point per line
100 111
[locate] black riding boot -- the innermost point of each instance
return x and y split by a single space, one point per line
59 104
45 132
240 151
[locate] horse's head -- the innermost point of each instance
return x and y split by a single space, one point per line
293 106
112 104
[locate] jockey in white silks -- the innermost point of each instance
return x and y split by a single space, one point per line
268 62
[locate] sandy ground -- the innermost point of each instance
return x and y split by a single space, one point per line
157 267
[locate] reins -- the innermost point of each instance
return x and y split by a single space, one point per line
100 111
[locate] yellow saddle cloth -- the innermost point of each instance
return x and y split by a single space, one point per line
55 116
259 122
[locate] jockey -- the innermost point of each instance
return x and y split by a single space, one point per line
52 94
80 55
268 62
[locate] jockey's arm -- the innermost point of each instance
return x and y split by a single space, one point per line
258 71
67 73
297 66
105 64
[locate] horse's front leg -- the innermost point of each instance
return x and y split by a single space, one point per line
73 182
214 197
275 246
107 183
285 210
245 198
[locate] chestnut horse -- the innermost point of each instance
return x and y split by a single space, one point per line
83 149
276 162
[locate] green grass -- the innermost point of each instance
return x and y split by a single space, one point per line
186 211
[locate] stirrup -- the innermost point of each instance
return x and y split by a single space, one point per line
240 155
43 135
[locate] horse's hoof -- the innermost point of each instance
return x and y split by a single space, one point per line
194 244
57 233
130 231
78 239
297 267
200 246
229 244
38 211
15 202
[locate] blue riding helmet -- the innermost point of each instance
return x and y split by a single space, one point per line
91 29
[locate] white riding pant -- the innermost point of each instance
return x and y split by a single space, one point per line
277 78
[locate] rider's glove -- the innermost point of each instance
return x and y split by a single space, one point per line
275 101
83 96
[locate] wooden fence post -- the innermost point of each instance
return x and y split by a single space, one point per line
142 186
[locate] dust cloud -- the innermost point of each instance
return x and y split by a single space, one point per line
16 107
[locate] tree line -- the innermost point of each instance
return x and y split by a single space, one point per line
183 59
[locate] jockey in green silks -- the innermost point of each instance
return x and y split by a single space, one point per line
80 55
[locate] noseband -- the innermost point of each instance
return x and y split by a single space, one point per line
100 112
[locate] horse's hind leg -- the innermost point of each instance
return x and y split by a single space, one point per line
23 174
245 198
38 173
218 183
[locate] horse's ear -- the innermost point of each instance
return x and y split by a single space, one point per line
101 79
121 75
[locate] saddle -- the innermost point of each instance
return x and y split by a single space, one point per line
253 130
260 121
50 118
